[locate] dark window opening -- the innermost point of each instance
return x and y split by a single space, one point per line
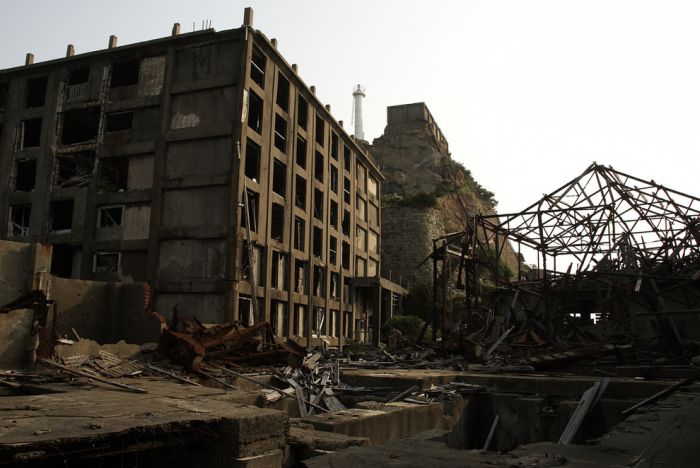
347 159
114 174
333 214
302 113
253 209
345 254
31 133
79 76
282 92
277 222
3 96
334 178
320 131
255 112
74 169
319 319
301 269
319 164
279 178
106 262
301 152
257 265
80 125
299 234
125 73
346 222
318 242
334 288
279 270
111 216
25 175
61 215
346 190
280 133
300 193
334 146
257 67
252 160
19 220
119 122
318 204
279 318
36 91
333 250
62 261
245 311
319 284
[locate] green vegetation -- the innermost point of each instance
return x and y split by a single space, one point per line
410 327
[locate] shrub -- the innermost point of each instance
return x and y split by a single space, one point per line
410 326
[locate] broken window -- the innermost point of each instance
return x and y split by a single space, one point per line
80 125
78 83
347 292
333 250
74 169
301 152
255 112
334 145
346 190
347 159
280 133
245 311
3 96
252 160
19 220
282 92
279 318
25 175
61 215
319 321
279 178
114 174
345 254
360 176
257 67
373 244
361 208
301 269
110 216
372 187
333 214
318 204
62 260
253 209
333 286
360 238
36 91
373 214
302 113
318 242
279 270
334 178
119 122
300 192
277 222
125 78
106 262
31 133
320 130
319 281
299 234
257 264
346 222
319 164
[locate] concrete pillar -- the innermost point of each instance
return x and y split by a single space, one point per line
376 314
176 29
29 59
70 50
248 17
112 42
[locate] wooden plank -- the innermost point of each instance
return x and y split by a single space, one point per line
587 402
491 433
130 388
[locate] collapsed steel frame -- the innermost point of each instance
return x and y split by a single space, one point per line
603 241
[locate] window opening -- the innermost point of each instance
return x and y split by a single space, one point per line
318 242
346 190
319 164
299 234
31 133
106 262
333 214
347 159
62 260
301 269
3 96
125 73
110 216
282 92
345 254
346 222
280 133
334 179
61 215
36 91
19 220
277 222
253 209
320 131
279 270
74 169
279 178
255 112
302 113
114 174
333 250
25 175
334 146
80 125
257 68
319 281
252 160
301 152
300 192
119 122
318 204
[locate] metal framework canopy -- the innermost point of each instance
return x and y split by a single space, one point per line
604 220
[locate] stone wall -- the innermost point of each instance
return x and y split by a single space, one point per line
407 235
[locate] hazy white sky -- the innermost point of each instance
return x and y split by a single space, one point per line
528 93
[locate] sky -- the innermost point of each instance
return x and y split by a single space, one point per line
527 93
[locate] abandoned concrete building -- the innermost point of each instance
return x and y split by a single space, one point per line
143 162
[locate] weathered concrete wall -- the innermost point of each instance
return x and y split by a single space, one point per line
408 234
19 265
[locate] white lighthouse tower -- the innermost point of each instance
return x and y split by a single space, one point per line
358 95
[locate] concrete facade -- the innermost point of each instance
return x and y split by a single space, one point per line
133 161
